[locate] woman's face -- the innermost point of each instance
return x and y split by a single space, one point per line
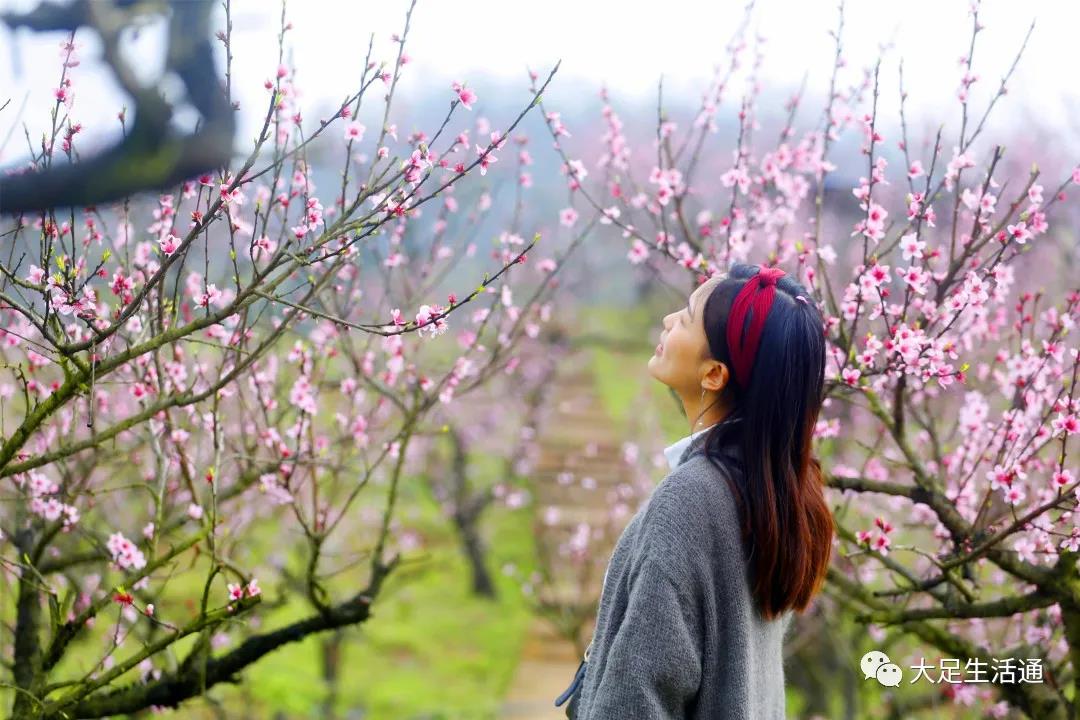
682 358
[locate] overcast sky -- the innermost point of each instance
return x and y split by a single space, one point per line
623 45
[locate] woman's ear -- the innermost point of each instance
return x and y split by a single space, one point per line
716 377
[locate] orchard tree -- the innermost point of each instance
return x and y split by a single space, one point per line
242 362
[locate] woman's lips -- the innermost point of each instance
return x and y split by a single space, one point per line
659 348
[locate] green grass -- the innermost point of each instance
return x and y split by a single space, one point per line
622 377
431 649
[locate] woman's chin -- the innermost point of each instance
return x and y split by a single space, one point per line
654 366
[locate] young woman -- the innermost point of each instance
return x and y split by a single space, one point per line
704 580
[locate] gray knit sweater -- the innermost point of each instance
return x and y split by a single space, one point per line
677 633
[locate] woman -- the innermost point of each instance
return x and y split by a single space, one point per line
702 584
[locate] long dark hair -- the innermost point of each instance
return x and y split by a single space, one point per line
786 522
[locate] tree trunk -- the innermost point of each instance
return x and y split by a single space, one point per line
482 583
331 666
27 669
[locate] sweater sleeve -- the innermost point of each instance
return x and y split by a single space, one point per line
653 666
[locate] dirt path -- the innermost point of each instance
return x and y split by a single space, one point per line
583 434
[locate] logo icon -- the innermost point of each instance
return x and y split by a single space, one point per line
876 664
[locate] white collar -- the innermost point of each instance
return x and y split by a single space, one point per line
674 451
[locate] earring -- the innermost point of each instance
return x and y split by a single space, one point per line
702 400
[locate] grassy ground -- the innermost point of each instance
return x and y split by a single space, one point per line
432 649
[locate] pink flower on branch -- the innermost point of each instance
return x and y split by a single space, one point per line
354 132
465 95
487 156
125 553
169 244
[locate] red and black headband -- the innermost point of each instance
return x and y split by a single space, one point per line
756 296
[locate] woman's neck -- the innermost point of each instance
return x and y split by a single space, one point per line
703 414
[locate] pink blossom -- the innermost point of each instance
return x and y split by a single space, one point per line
125 553
576 169
210 297
236 591
432 316
465 95
912 246
556 124
1072 543
959 162
568 217
639 251
878 275
354 132
1019 232
1014 494
1062 479
276 493
546 265
169 244
1037 223
486 158
916 278
1065 424
884 525
302 395
736 176
610 214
